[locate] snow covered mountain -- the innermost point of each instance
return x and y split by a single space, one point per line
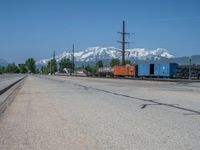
3 62
93 54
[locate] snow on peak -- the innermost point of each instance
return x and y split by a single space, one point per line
107 53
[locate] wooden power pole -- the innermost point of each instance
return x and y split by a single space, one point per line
123 33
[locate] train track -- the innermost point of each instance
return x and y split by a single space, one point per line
6 94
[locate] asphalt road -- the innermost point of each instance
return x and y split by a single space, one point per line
7 79
83 113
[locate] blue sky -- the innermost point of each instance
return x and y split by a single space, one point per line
34 28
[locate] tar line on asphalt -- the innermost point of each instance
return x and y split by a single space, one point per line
140 99
132 97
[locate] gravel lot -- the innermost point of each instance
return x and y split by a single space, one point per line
73 113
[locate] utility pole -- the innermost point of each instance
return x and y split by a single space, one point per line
73 58
123 44
50 67
54 62
190 60
123 33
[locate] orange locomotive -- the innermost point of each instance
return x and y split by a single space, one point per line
125 70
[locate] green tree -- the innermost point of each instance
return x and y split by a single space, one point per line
22 68
127 62
91 69
114 62
99 64
37 70
52 66
30 63
12 68
44 70
64 63
1 70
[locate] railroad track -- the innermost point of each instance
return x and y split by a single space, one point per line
7 92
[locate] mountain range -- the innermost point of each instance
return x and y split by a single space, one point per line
3 62
137 55
93 54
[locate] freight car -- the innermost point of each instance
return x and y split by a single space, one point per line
125 71
106 72
157 70
117 71
164 70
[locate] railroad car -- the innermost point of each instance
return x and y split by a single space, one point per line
157 70
165 70
144 70
125 71
106 72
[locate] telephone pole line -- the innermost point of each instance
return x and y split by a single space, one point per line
54 62
50 67
123 33
73 59
190 60
123 44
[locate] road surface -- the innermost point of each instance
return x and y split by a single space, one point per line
6 80
73 113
